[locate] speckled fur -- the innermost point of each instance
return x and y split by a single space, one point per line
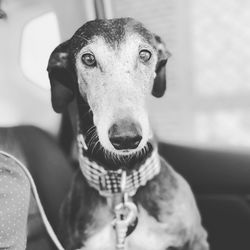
113 31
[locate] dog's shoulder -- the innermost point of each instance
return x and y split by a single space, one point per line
168 199
169 196
162 188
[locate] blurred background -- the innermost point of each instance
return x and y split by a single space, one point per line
207 100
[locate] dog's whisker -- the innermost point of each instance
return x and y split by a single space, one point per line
93 137
94 147
107 154
142 151
137 153
104 152
91 132
90 129
92 142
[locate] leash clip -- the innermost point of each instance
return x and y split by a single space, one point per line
125 222
125 216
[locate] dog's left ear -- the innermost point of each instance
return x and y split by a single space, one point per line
160 80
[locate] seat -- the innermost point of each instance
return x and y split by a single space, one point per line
52 173
221 183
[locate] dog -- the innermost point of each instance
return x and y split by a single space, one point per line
105 72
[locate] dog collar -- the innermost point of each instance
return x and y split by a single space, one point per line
109 182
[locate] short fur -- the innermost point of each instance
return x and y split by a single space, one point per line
115 89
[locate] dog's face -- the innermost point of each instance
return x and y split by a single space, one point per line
114 65
114 78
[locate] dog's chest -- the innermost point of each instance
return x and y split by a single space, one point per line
149 234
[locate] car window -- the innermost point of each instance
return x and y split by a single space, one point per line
207 100
40 36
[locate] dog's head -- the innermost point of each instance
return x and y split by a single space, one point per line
111 65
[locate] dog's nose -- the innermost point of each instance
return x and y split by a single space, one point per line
125 134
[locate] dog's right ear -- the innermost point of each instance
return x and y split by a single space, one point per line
62 77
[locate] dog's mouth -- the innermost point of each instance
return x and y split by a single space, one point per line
116 158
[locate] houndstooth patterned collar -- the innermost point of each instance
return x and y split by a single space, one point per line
108 182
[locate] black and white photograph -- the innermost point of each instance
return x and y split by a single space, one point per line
124 125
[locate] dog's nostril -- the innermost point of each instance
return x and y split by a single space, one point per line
125 135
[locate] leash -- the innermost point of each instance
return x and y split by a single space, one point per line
46 222
126 215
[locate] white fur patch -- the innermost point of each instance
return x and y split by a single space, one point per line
149 234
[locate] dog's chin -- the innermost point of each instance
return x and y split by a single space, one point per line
128 157
141 149
126 152
104 153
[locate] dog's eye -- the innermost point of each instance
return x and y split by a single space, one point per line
89 59
145 55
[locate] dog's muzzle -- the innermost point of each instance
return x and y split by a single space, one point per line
125 134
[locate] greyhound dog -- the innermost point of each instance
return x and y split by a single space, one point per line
124 195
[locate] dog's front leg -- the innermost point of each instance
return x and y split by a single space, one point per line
199 241
83 213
